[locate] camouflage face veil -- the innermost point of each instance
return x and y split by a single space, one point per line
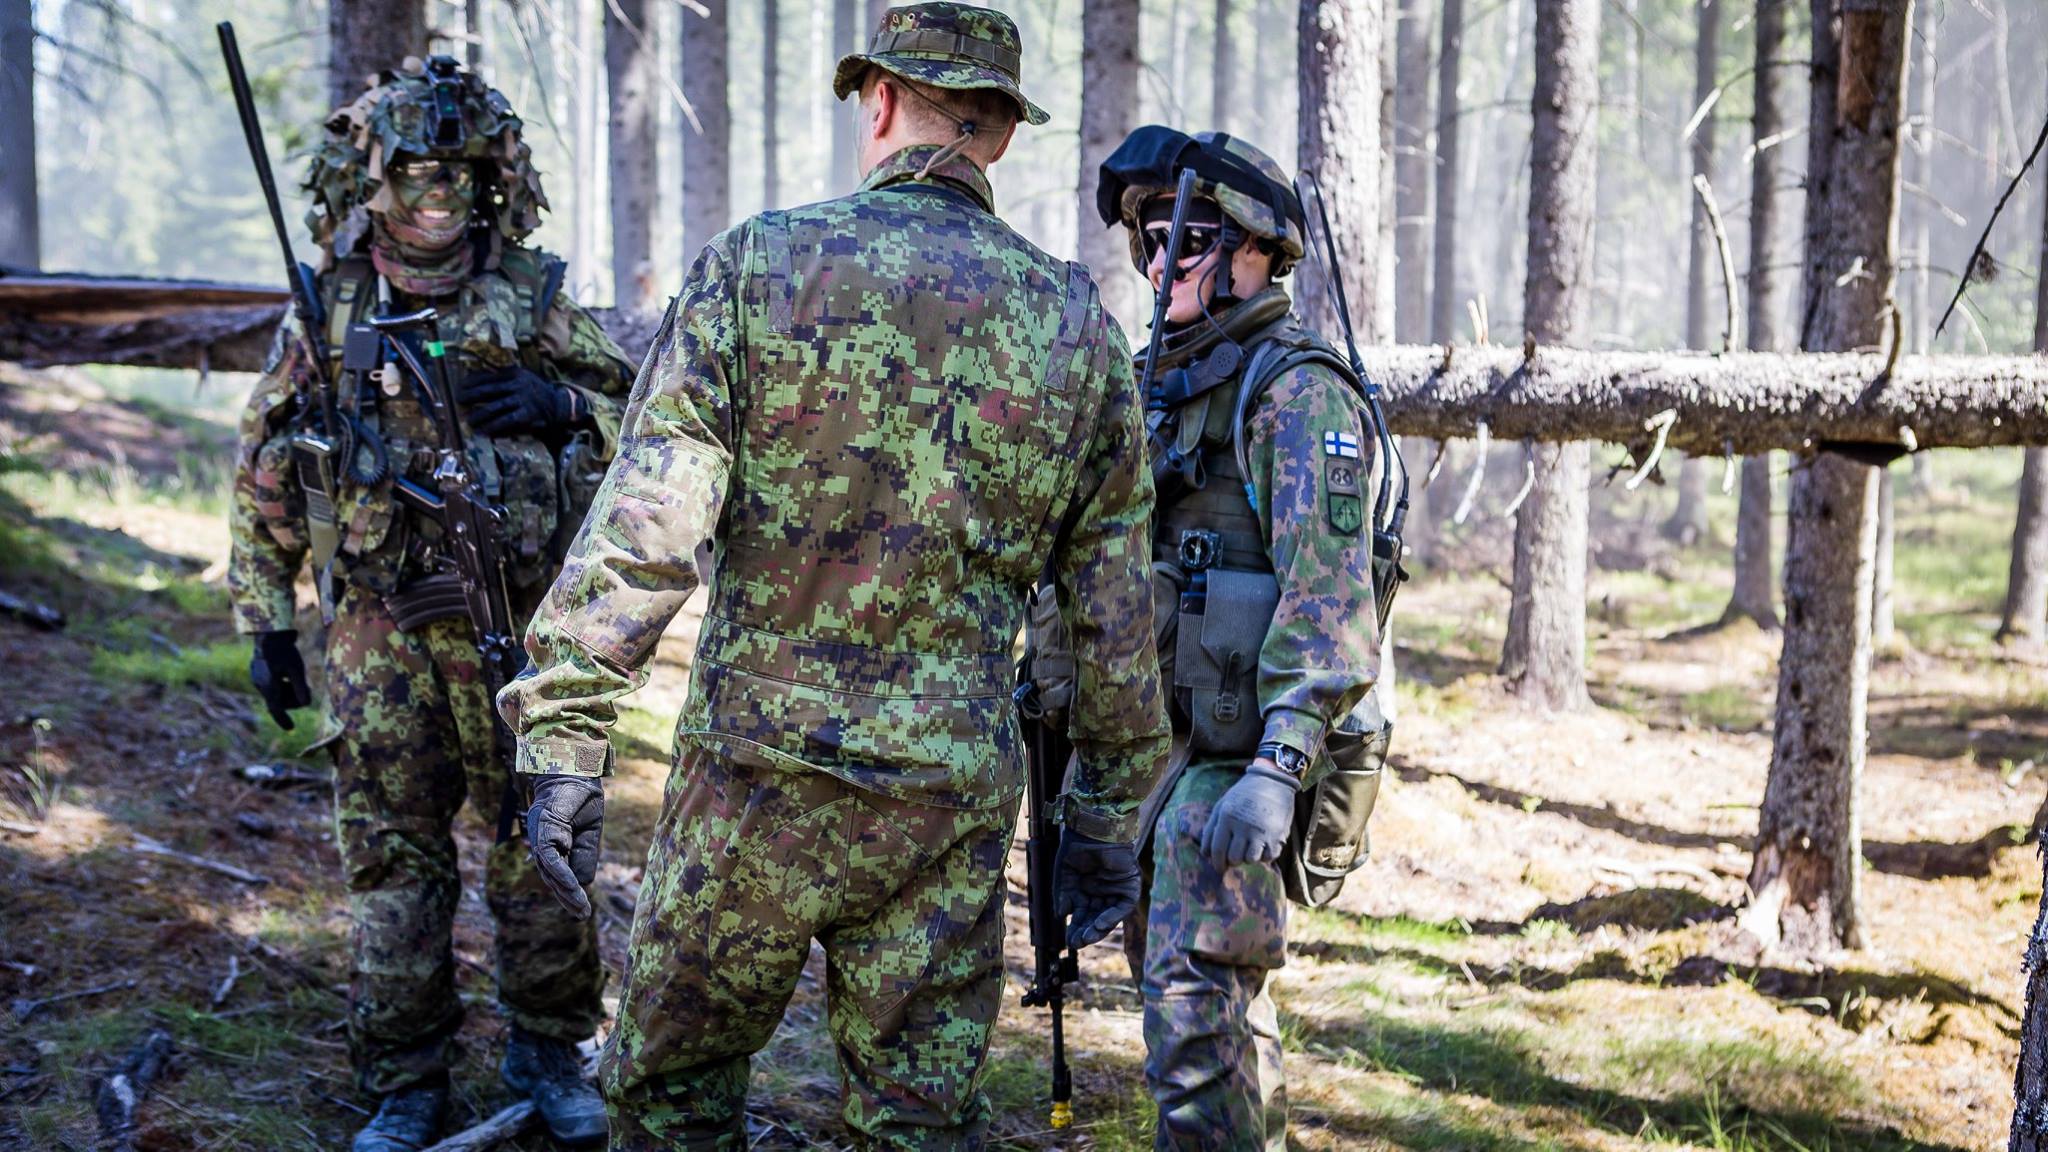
433 109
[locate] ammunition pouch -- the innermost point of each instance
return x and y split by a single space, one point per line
1222 623
1329 841
422 602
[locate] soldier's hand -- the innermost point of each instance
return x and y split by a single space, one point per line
564 823
511 400
1096 888
279 674
1252 820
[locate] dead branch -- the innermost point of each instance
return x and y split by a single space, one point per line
151 847
507 1124
1729 343
119 1095
30 613
23 1009
227 983
1970 265
20 829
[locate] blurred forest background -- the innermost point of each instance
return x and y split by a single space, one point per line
1545 952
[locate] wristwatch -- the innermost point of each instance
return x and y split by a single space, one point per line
1291 761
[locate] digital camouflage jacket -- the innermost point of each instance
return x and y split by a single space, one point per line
510 313
884 413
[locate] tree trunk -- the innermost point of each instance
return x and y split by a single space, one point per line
1445 300
1755 578
771 101
1383 260
365 37
1805 874
1411 173
2026 585
707 144
1755 575
475 29
848 36
629 63
583 159
20 220
1222 70
1109 110
1883 609
1338 140
1688 522
1544 658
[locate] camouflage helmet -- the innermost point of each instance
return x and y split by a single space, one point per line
945 45
433 109
1247 184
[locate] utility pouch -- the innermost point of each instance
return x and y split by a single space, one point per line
1329 841
314 458
1052 650
1216 658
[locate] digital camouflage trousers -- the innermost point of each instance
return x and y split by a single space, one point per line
415 740
749 864
1212 1034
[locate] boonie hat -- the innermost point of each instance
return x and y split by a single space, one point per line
945 45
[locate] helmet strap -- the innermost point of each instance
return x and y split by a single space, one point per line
1232 238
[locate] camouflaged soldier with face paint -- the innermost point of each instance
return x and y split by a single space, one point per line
1265 465
414 208
871 424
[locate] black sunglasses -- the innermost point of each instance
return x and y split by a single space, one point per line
1195 242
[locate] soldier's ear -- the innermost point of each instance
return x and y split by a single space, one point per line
881 106
1003 146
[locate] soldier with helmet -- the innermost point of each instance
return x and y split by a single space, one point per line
1266 457
872 424
423 195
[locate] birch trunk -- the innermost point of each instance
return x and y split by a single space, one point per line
629 62
707 144
1109 110
1544 657
365 37
1805 875
1755 574
1338 141
1445 298
1222 72
20 218
848 36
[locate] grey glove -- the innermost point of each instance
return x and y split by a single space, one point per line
1097 886
564 823
1252 820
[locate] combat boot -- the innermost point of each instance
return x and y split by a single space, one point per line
408 1120
546 1071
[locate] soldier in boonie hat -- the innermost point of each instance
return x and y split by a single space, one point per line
945 45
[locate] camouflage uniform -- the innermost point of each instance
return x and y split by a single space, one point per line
868 418
1211 936
410 718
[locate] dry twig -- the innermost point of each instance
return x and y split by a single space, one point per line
151 847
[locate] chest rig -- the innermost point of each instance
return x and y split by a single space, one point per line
389 432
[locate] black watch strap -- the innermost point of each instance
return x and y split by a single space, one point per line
1289 759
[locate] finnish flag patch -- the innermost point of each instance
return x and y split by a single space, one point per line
1342 445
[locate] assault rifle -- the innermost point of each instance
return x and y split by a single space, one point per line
1047 749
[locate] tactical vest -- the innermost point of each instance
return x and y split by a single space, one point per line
1212 572
388 550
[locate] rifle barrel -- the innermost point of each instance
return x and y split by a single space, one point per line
252 131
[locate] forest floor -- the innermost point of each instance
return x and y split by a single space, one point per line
1540 956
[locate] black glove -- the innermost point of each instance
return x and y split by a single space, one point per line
279 674
1096 888
564 823
1252 820
510 400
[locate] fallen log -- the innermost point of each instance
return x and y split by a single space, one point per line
1732 404
120 1095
